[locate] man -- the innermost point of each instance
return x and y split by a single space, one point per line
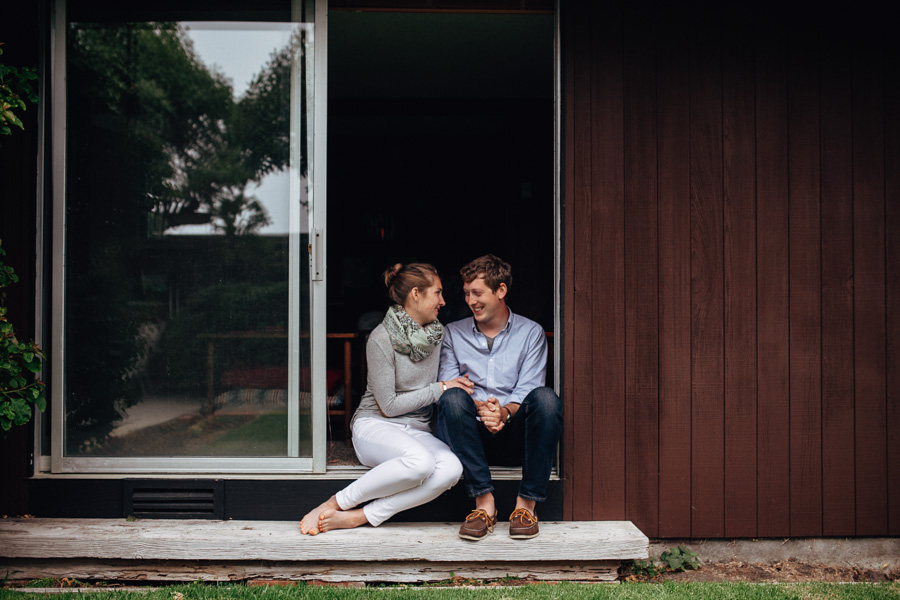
510 416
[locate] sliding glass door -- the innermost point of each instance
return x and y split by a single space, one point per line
183 300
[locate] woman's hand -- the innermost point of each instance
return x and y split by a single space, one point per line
462 383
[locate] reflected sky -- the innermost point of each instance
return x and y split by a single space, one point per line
240 54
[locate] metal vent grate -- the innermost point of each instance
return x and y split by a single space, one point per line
179 499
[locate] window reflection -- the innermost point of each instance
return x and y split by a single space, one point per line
177 251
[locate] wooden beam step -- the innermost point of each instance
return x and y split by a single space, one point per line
185 550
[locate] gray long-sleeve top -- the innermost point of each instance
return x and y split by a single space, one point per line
398 389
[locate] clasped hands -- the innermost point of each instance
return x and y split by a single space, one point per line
492 414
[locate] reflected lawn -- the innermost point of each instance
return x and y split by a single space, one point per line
226 434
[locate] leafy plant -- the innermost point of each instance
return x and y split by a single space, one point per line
680 558
677 558
15 88
19 364
646 568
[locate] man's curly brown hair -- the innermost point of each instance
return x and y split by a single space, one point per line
494 270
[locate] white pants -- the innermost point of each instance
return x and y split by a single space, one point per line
409 467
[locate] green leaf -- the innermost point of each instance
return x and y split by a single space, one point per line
28 356
23 414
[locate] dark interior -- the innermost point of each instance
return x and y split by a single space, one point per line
440 149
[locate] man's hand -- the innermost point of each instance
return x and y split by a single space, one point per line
491 413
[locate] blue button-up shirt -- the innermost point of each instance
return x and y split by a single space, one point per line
515 366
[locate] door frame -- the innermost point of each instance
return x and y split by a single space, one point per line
49 465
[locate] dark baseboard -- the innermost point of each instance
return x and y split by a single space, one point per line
247 499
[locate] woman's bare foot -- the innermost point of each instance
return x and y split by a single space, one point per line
309 525
341 519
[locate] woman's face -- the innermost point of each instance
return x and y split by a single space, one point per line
423 304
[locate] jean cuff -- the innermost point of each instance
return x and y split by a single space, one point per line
533 497
475 492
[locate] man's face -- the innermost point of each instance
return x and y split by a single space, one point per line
487 305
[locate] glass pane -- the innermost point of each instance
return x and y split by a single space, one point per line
184 302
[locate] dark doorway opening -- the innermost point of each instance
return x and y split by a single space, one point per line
440 149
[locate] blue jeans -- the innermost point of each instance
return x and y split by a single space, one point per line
529 440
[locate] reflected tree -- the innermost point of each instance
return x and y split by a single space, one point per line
262 122
157 140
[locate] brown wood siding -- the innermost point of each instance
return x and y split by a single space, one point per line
739 190
641 268
731 251
838 465
805 287
772 285
674 247
892 229
605 268
869 292
707 284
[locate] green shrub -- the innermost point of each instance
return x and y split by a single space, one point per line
20 388
15 87
677 558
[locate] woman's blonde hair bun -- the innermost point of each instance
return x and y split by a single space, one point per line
391 274
401 279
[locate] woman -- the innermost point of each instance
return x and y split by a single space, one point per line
391 428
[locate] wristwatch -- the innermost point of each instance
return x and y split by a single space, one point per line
508 415
443 387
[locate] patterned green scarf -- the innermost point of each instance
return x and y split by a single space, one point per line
408 337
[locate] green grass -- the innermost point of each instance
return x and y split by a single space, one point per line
567 591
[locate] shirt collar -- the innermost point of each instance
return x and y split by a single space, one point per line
506 328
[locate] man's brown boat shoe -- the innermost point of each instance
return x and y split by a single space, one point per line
523 525
477 525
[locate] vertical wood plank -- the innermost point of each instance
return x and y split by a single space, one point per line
838 465
892 228
805 287
869 291
641 280
739 132
773 474
568 16
674 230
583 387
707 285
607 221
